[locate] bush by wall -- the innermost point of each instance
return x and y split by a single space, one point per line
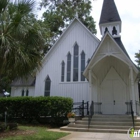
30 108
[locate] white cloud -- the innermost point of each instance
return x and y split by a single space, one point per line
130 16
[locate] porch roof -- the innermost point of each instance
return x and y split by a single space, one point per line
120 45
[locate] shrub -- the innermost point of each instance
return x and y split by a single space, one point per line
12 126
29 108
2 127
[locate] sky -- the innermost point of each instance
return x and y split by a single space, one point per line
129 12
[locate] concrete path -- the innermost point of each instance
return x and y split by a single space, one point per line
96 136
93 136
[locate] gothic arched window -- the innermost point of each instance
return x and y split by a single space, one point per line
69 67
47 86
114 31
106 30
22 92
27 92
82 65
75 63
63 71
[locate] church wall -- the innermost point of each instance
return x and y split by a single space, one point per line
17 91
52 65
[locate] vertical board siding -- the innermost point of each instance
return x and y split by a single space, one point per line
52 66
16 91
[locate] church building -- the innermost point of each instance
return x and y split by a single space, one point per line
82 67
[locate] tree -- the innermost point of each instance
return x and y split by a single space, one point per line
137 56
21 39
59 13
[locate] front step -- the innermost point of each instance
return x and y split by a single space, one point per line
104 123
66 128
101 126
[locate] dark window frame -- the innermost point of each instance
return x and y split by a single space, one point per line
69 67
47 86
27 92
82 65
63 71
114 31
76 63
106 30
22 92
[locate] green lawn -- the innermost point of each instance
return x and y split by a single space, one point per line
35 133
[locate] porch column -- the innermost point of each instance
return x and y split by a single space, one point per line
90 86
132 90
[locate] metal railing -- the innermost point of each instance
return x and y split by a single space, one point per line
130 111
138 108
81 108
91 113
95 108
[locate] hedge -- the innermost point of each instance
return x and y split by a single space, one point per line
35 107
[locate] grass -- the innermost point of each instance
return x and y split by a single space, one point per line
34 133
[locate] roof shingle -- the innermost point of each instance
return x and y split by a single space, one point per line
109 12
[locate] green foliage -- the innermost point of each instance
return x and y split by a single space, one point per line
35 133
21 39
2 126
12 126
137 56
30 108
59 13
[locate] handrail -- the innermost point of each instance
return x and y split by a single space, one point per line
80 107
91 113
132 113
128 112
138 108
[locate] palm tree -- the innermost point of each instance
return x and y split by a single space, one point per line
21 41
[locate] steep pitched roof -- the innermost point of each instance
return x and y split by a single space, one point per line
30 81
120 44
64 32
109 12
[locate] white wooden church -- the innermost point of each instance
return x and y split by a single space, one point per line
82 67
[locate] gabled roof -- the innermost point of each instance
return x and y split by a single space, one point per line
30 81
109 12
120 45
64 32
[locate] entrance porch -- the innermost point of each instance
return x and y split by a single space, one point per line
112 84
